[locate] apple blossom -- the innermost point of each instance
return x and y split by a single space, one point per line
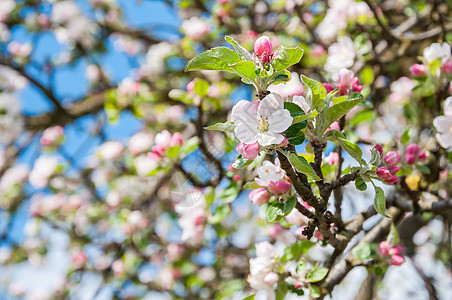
52 135
401 89
443 125
140 142
397 260
437 51
384 248
263 48
110 151
248 151
195 28
417 70
301 102
144 165
340 55
269 172
261 122
280 187
391 158
259 196
292 88
261 267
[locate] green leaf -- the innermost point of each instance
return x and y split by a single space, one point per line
281 77
276 210
294 109
294 290
335 112
250 297
393 236
220 214
295 135
316 93
225 127
242 52
353 149
314 291
287 57
230 194
245 69
317 274
301 118
201 87
365 251
367 75
302 165
298 249
189 145
406 136
241 162
423 169
214 59
362 116
360 184
281 290
379 201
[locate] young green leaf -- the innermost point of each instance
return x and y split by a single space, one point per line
241 162
245 69
365 251
242 52
281 77
287 57
379 201
352 149
201 87
317 274
314 291
296 250
276 211
294 133
316 93
220 214
302 165
406 136
393 236
214 59
225 127
360 184
335 112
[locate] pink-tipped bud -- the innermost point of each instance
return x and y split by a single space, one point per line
284 143
357 89
417 70
410 158
248 151
412 149
391 158
393 180
333 158
447 67
333 126
263 48
393 170
422 156
384 174
236 177
397 260
396 250
271 278
297 286
176 139
379 149
384 248
328 87
190 86
346 78
280 187
259 196
275 230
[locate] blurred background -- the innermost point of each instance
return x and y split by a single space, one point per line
88 88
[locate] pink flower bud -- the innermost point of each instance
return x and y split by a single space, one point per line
263 48
393 180
333 126
397 260
379 148
248 151
417 70
393 170
279 187
384 248
410 158
259 196
176 139
396 250
422 156
391 158
357 89
284 143
158 149
275 230
412 149
154 156
297 286
236 177
199 220
317 51
328 87
346 78
333 158
384 174
190 86
447 67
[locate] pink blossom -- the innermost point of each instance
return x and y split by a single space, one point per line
410 158
391 158
318 51
412 149
284 143
190 86
263 48
280 187
422 156
176 139
333 126
333 158
248 151
110 150
259 196
384 174
397 260
79 258
447 66
393 180
417 70
396 250
275 230
384 248
140 142
379 148
328 87
236 177
52 135
393 170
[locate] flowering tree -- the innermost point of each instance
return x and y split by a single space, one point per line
333 156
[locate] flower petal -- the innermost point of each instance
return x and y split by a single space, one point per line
246 133
444 139
269 138
245 112
279 121
442 124
271 103
448 107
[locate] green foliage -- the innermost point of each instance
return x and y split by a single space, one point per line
316 93
225 127
302 165
219 58
287 57
317 274
276 210
379 201
365 251
360 184
296 250
241 162
353 149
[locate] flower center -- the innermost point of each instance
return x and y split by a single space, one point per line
263 124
